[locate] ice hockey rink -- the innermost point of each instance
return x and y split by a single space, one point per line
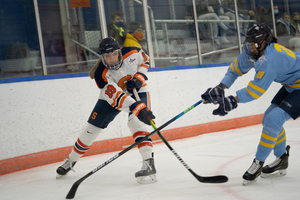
227 153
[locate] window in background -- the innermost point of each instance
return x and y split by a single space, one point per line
19 46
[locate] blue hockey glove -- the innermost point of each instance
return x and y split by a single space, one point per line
225 105
137 82
213 94
142 112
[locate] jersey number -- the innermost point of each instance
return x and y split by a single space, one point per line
110 91
279 48
260 74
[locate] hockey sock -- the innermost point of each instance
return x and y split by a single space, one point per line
145 148
85 139
279 148
272 133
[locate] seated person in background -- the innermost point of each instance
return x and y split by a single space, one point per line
241 11
265 15
205 10
286 33
295 22
134 36
116 29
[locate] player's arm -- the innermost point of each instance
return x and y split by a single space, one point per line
119 100
255 89
140 78
240 66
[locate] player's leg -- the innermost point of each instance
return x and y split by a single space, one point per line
140 130
278 167
99 119
284 106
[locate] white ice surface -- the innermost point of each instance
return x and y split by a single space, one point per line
227 153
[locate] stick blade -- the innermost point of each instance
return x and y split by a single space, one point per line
72 191
213 179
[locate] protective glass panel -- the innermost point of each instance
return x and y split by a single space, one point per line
19 45
71 35
174 38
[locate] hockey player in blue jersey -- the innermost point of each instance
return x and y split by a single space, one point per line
272 63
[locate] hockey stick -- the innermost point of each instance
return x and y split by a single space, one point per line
209 179
75 186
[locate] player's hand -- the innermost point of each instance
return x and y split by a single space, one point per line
225 105
137 82
212 94
142 112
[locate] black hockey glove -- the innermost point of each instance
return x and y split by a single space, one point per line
225 105
142 112
137 82
212 94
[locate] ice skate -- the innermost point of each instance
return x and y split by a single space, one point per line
65 168
278 167
253 172
147 173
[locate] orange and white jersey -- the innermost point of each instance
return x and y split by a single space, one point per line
113 83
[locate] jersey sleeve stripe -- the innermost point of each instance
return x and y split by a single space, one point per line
255 87
253 94
115 99
129 54
145 66
104 75
235 67
122 101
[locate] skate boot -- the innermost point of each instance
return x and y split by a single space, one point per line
278 167
65 168
147 173
253 172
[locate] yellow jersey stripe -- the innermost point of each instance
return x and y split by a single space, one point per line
253 94
231 67
236 68
292 86
255 87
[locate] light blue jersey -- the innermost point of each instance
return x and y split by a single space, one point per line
277 64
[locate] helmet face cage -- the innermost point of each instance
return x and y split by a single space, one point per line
108 45
114 66
256 34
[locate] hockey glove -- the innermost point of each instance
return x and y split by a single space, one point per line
137 82
142 112
213 94
225 105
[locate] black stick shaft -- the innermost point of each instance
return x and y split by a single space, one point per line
212 179
75 186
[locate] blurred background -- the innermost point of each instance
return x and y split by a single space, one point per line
43 37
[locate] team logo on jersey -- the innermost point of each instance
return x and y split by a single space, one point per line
262 59
131 60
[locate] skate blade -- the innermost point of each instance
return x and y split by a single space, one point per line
147 179
247 182
58 176
278 173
